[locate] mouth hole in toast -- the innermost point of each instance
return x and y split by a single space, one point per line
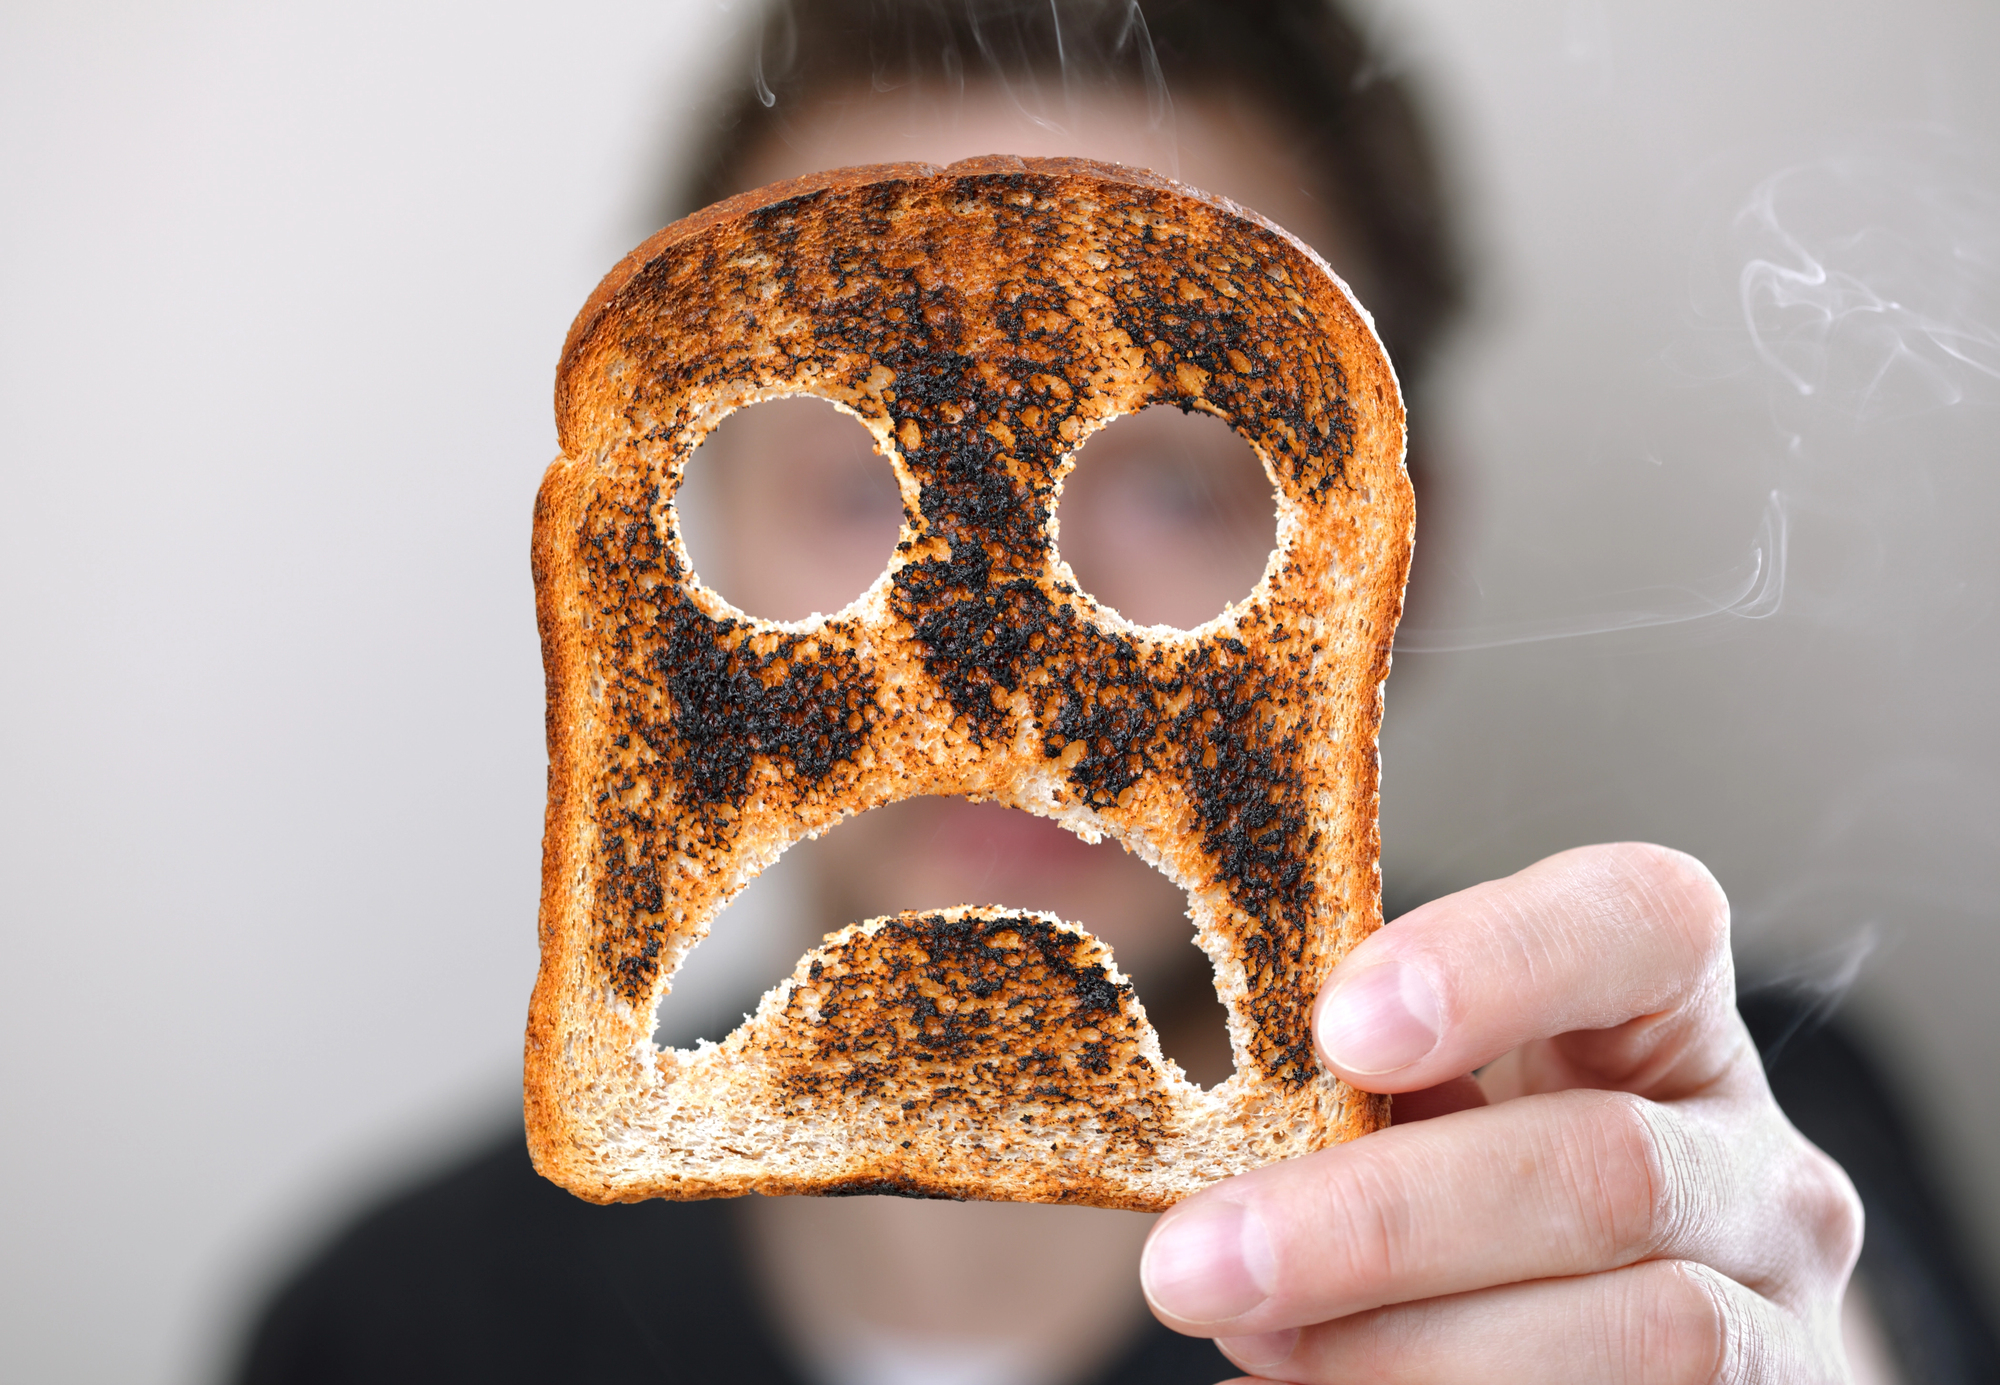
933 853
787 509
1167 517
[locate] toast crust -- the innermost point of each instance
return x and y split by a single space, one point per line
981 320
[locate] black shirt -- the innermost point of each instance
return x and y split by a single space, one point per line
489 1274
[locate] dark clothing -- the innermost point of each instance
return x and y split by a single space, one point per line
490 1275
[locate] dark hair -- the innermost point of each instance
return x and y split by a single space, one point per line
1302 62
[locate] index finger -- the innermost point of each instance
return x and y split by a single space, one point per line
1623 949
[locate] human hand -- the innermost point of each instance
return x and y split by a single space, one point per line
1616 1197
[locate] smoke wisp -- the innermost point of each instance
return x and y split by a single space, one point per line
1753 591
1845 314
1873 281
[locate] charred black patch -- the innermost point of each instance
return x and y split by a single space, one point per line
1191 327
898 1185
698 704
938 1014
1241 770
802 705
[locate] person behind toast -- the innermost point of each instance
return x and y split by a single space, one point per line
1614 1196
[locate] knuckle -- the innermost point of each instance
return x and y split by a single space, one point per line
1375 1218
1831 1211
1337 1235
1678 1326
1629 1175
1686 1323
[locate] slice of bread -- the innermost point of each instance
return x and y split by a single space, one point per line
981 320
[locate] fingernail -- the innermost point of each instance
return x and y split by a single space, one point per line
1202 1264
1264 1349
1379 1019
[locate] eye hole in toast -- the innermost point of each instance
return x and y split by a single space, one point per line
928 853
1167 517
787 510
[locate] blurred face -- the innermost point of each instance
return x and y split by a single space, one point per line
788 510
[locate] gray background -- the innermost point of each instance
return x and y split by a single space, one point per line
280 297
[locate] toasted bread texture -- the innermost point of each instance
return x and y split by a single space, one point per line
982 320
